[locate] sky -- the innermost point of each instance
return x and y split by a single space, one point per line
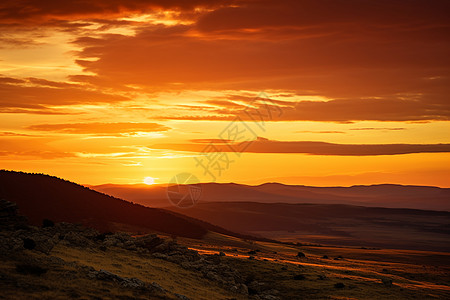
323 92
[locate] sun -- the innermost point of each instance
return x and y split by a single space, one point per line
149 180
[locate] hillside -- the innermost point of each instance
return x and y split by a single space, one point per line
383 195
68 261
331 224
41 196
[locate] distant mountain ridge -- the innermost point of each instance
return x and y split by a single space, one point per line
380 195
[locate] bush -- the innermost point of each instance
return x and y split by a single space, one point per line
29 244
47 223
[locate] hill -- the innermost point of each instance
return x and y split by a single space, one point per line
383 195
41 196
331 224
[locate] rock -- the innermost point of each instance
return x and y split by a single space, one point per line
157 287
9 218
215 259
77 239
148 241
178 259
243 289
321 277
256 287
106 275
43 241
325 257
269 297
132 283
182 297
130 245
252 252
301 254
56 261
222 253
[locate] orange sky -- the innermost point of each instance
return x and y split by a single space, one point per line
355 92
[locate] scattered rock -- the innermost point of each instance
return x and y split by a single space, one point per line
301 254
182 297
339 285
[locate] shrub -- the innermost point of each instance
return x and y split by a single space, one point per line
47 223
29 244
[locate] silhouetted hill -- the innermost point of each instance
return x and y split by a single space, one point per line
41 196
382 195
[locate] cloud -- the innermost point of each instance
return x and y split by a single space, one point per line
108 129
342 111
372 60
379 128
383 61
30 154
28 12
34 95
207 141
319 131
262 145
14 134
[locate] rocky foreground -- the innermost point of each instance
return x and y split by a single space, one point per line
68 261
29 251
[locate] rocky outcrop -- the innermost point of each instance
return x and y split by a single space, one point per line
133 283
9 218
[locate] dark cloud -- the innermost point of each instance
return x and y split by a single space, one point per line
43 10
207 141
262 145
379 128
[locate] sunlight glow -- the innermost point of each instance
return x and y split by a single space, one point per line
149 180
